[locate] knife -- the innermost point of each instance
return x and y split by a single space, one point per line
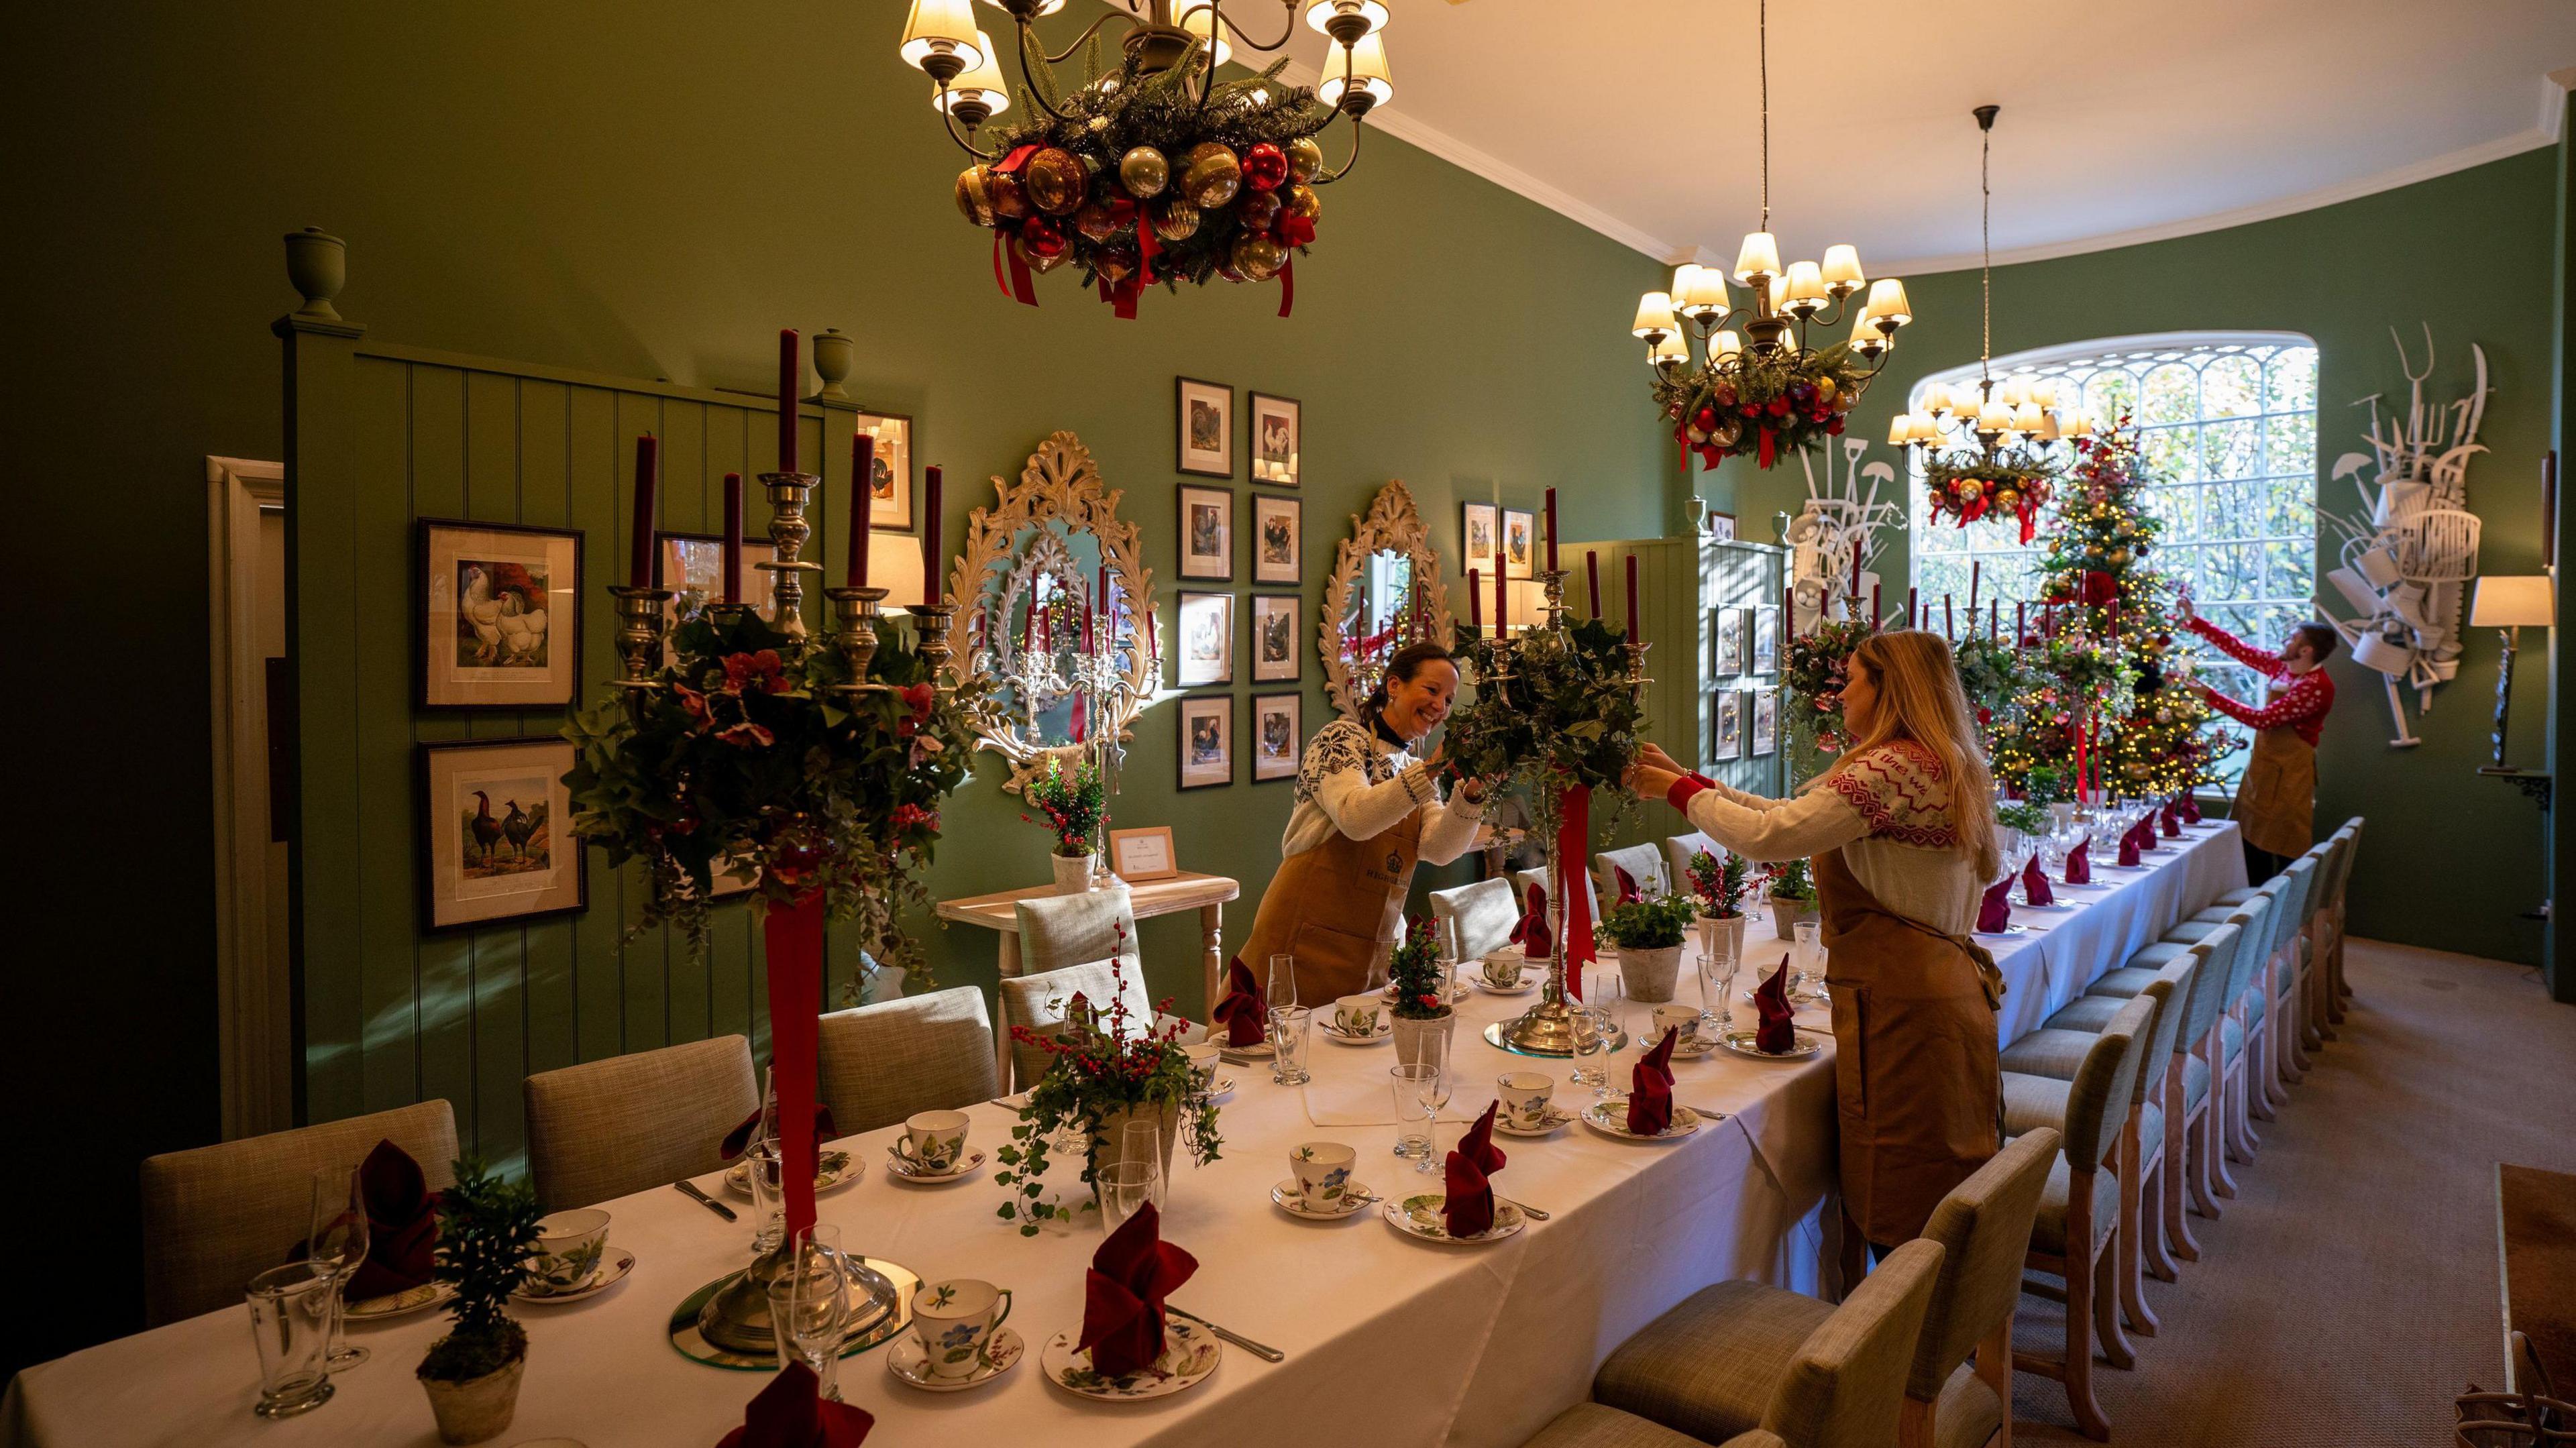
690 1190
1260 1350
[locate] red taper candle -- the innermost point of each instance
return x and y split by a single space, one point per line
1874 614
1976 567
2021 623
644 560
1788 610
1476 598
1108 609
1994 616
1909 607
733 538
1592 579
791 372
1855 588
1632 598
1950 621
1551 530
1502 603
930 555
863 468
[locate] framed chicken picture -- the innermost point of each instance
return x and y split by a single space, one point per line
499 615
495 841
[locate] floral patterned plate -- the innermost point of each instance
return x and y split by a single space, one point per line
901 1168
612 1270
1285 1195
1419 1218
909 1361
1741 1043
1610 1118
1335 1034
832 1170
1692 1048
399 1304
1531 979
1258 1051
1556 1120
1190 1353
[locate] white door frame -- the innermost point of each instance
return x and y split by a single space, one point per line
253 1017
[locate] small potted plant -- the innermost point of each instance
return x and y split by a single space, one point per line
487 1230
1072 806
1649 935
1107 1071
1417 990
1793 896
1719 886
2020 824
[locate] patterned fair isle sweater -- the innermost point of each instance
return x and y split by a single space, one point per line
1887 810
1361 784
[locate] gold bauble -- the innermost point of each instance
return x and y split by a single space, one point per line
1305 159
1010 198
1175 219
1302 201
2119 556
1257 256
1825 389
1211 174
1056 180
1095 221
1144 173
975 194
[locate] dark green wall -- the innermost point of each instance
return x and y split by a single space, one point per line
643 190
2342 275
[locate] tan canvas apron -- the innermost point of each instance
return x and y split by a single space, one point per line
1333 908
1917 1080
2276 804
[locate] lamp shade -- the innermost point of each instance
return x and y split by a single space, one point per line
1671 349
1887 301
1322 13
1806 285
981 84
2027 417
1900 429
2077 425
1367 73
941 27
1707 293
1199 18
1759 256
1994 417
1045 7
1865 336
2514 601
1654 314
1683 276
1936 399
1842 268
1725 344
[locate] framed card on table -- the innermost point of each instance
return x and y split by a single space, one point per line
1480 527
494 838
1207 741
1520 533
1278 736
1721 526
1137 856
1278 436
1275 655
1278 539
1765 646
890 479
1207 533
1204 418
1730 641
496 615
693 568
1206 654
1729 740
1766 722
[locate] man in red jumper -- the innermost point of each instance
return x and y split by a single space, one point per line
2276 803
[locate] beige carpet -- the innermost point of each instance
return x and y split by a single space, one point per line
2348 1292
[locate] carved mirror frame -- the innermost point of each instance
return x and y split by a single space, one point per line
1059 483
1394 525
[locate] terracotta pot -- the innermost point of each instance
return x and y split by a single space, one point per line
1785 915
1072 874
1410 1034
1648 974
476 1409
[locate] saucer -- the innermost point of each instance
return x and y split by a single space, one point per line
1222 1091
399 1304
1259 1051
1741 1043
611 1271
1530 981
1610 1118
832 1170
1386 1032
903 1170
1556 1120
1692 1048
1356 1197
1190 1353
909 1362
1419 1217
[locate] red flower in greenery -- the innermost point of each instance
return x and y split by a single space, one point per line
695 703
910 816
763 668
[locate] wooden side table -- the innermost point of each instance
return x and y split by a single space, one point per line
1206 894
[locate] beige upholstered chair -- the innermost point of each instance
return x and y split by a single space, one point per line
1983 1226
1523 879
1042 1002
2331 960
1644 864
1061 930
1740 1355
605 1128
2079 1215
881 1063
1590 1425
217 1216
2257 919
2325 900
1477 919
1678 851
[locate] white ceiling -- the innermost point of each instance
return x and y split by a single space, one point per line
2122 120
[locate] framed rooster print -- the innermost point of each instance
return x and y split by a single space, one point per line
495 834
498 619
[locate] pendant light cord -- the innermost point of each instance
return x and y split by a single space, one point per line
1763 49
1986 235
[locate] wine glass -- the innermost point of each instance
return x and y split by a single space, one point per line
1435 1050
809 1305
1143 1141
1288 1038
1717 967
1283 982
338 1241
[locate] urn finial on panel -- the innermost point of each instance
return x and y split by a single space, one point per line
318 264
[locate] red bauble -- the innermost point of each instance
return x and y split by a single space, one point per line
1257 210
1264 167
1040 237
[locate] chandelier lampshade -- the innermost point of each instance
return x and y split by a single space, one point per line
1333 17
1363 72
1842 269
939 36
1654 316
1759 257
978 95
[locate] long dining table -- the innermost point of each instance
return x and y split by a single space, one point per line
1388 1340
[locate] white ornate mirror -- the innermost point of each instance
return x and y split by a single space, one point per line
1386 592
1053 604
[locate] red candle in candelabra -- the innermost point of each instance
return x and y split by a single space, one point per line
644 560
1592 579
1551 530
1476 598
1909 606
1950 621
1632 598
1873 607
863 465
2021 624
1108 609
1855 588
1788 610
1086 628
2115 618
930 542
1975 568
733 538
1502 603
1994 616
791 371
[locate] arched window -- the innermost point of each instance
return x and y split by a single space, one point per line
2228 423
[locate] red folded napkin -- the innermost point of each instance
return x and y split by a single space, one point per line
2170 818
2034 886
1245 1013
792 1413
1532 933
1995 911
738 1140
1122 1294
1468 1209
2191 809
1778 1033
2129 847
1627 885
2079 863
1650 1087
402 1226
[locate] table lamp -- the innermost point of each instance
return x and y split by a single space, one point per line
2509 603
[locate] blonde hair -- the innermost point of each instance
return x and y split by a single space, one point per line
1919 698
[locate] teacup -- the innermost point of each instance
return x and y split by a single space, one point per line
1323 1171
569 1246
954 1319
1524 1096
1359 1015
1676 1017
1203 1058
1503 972
933 1141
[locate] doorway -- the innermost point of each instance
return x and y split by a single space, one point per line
253 714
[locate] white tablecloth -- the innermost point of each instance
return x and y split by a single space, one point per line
1388 1340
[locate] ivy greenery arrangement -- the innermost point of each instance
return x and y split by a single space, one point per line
1652 924
744 760
1991 672
1565 718
487 1230
1763 406
1718 884
2022 815
1104 1065
1413 974
1071 803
